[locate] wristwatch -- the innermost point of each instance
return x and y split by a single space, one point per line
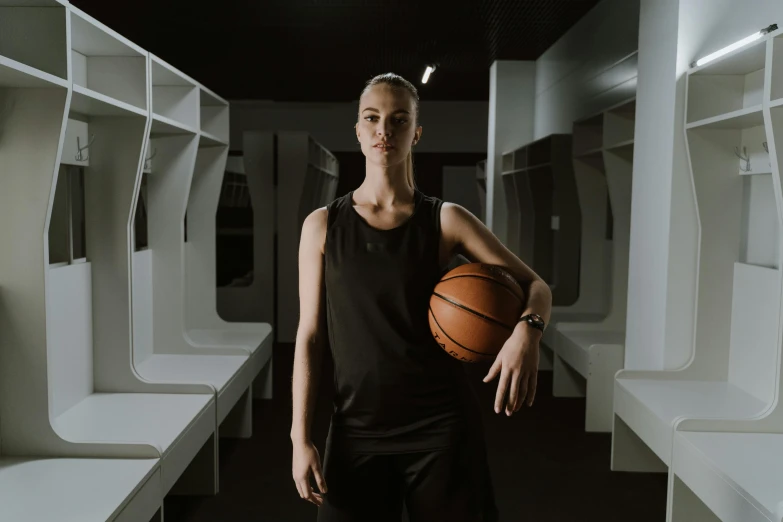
534 320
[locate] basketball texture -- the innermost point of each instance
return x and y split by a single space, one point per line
474 309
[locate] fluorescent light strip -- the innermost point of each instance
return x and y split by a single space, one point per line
427 73
728 49
735 45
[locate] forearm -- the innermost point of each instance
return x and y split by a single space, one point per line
539 301
308 355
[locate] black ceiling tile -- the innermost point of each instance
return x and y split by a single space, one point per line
325 50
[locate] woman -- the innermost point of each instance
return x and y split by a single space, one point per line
406 426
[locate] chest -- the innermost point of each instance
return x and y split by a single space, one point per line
385 261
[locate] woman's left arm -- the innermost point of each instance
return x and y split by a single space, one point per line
517 362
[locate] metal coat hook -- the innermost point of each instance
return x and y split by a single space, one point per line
147 165
744 156
79 156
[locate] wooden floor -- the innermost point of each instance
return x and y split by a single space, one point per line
545 467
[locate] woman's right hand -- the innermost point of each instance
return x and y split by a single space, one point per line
306 460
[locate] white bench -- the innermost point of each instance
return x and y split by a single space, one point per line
80 490
585 364
587 355
177 424
726 475
648 404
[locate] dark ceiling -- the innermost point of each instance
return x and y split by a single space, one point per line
325 50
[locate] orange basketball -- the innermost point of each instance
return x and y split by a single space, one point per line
474 309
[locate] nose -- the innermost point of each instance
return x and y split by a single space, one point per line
384 129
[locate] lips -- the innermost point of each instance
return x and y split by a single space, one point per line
384 146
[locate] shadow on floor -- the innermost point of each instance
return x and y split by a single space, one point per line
545 467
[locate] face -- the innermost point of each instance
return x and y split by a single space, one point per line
387 124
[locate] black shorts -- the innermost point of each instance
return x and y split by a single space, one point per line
449 485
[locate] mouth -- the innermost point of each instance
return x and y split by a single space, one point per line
384 147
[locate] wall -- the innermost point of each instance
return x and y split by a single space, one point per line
652 187
511 115
459 186
593 66
448 126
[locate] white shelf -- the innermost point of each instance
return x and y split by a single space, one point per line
162 126
592 152
208 140
16 74
69 490
210 99
159 419
91 38
91 103
739 119
216 370
621 145
164 74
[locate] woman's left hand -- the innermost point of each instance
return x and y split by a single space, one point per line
517 364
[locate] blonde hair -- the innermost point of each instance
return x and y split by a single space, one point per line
395 80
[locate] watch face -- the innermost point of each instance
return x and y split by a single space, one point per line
536 320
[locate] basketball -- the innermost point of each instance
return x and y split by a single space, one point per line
474 309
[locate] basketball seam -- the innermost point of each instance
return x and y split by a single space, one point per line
485 278
484 354
463 307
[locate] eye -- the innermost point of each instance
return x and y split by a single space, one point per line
401 120
370 118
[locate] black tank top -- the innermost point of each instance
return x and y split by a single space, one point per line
396 389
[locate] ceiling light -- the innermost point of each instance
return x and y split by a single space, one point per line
430 70
735 45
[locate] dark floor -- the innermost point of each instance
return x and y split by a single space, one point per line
545 467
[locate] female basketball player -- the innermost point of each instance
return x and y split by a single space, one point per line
406 426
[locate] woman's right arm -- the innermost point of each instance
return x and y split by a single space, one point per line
308 354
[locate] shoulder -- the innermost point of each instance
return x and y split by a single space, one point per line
455 219
314 229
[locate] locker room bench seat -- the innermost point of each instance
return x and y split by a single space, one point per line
257 337
550 334
230 375
585 364
179 425
739 476
650 407
79 490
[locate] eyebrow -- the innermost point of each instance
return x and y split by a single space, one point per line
376 110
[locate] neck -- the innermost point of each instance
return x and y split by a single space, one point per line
386 186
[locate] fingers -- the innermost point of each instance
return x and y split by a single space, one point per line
523 388
319 479
502 387
494 370
307 493
532 390
512 393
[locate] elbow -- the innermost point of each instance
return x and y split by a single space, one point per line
311 337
